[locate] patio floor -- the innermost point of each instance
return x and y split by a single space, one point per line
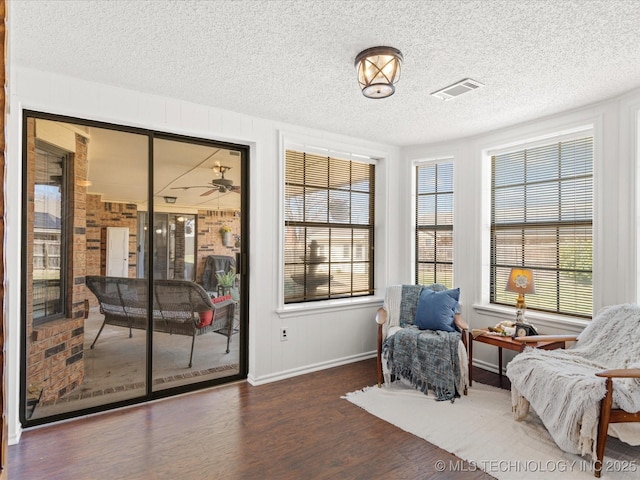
115 367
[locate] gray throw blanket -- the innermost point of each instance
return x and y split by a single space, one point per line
409 304
427 359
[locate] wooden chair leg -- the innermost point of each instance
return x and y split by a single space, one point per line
603 426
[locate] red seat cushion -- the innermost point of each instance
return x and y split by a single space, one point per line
205 318
221 299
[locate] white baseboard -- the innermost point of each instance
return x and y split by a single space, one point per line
14 438
274 377
491 367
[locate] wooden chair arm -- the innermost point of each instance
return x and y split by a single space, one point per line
608 414
381 316
620 373
547 338
460 322
379 352
462 325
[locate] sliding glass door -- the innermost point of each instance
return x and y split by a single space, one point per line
132 275
75 199
197 199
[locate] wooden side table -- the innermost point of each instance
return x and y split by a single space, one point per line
508 343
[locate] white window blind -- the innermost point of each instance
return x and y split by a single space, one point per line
541 219
434 224
329 220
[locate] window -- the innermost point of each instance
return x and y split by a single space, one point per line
48 232
329 220
541 219
434 224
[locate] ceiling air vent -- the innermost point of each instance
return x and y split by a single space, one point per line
457 89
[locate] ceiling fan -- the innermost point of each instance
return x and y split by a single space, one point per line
222 185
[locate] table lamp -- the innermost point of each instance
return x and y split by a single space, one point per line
520 282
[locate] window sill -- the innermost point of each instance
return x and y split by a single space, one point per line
327 306
544 322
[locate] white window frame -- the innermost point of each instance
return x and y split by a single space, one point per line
577 129
414 204
337 149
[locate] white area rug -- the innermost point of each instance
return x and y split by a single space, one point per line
479 428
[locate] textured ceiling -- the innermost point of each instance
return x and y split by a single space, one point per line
292 61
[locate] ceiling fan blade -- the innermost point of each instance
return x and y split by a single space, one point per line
190 186
209 192
235 189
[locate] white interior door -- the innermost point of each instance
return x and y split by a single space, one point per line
117 252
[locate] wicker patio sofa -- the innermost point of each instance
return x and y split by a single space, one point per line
180 307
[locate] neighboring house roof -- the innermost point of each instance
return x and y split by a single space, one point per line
46 221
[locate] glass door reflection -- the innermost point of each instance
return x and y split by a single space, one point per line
83 187
174 245
196 232
106 259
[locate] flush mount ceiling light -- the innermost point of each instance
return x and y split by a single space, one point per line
378 71
170 199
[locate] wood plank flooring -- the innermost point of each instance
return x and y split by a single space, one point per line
297 428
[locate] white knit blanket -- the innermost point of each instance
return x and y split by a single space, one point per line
561 386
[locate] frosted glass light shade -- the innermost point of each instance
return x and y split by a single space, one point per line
378 71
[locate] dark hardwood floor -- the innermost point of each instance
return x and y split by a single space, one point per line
298 428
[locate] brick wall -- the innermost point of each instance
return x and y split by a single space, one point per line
55 349
101 215
178 264
55 361
209 237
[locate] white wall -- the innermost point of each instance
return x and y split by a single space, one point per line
318 338
615 124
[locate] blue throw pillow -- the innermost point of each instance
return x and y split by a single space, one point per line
436 309
438 287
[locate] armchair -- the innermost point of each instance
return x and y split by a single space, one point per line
588 391
395 321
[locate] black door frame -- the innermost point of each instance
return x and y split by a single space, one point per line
242 270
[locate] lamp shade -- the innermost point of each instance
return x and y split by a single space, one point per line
378 71
521 281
